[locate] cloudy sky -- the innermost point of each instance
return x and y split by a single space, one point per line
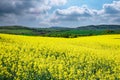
65 13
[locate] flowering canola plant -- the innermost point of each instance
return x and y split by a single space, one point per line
47 58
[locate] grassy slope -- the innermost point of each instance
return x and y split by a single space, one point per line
62 32
45 58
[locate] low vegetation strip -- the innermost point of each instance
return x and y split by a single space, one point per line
62 31
45 58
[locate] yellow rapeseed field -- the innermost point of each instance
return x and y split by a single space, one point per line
45 58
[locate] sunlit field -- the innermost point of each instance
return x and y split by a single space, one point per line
44 58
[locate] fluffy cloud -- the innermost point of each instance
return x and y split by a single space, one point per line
42 13
14 6
113 8
73 13
110 13
58 2
26 9
12 11
32 6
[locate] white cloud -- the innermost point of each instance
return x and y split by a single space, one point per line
32 10
58 2
73 13
27 9
113 8
110 13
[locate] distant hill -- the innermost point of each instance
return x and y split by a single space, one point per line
18 30
57 31
100 27
89 27
14 27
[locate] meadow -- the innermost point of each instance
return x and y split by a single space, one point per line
63 32
50 58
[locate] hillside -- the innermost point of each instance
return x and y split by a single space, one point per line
100 27
62 31
18 30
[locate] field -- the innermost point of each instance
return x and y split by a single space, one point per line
49 58
64 32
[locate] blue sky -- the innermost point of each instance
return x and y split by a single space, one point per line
96 4
65 13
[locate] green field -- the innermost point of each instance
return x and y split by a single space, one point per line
62 31
78 33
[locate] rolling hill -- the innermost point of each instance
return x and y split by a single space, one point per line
62 31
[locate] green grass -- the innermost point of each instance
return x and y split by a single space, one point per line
17 32
84 32
77 33
57 32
